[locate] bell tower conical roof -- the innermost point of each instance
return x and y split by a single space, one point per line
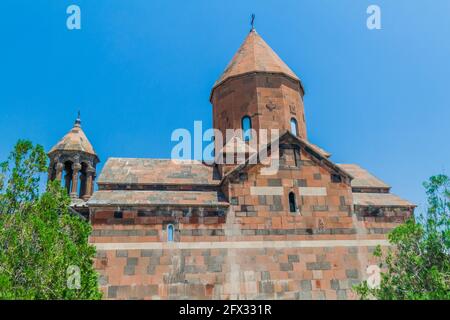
74 140
255 55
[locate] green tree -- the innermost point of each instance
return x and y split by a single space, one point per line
42 245
418 266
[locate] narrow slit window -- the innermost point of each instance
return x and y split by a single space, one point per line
247 128
294 127
335 178
170 233
296 157
292 203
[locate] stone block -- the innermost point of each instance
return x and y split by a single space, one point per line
334 283
266 287
112 291
318 265
274 182
151 269
306 285
262 200
121 253
129 270
351 273
342 294
265 275
102 280
132 261
286 267
214 267
304 295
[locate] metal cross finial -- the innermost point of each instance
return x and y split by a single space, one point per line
253 21
78 120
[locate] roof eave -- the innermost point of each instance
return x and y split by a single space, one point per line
53 151
219 204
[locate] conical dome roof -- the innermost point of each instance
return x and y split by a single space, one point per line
255 55
74 140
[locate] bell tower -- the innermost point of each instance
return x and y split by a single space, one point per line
73 161
258 90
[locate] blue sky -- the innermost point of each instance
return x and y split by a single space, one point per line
139 69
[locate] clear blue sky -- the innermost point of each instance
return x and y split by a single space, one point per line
139 69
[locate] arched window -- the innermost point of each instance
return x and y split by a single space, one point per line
247 128
294 127
170 233
292 204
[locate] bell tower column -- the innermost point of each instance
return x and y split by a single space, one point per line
59 169
75 171
90 172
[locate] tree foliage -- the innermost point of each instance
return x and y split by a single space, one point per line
42 245
419 265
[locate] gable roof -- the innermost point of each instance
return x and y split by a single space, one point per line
287 136
363 178
255 55
380 199
132 171
156 198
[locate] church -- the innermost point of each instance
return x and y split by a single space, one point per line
188 229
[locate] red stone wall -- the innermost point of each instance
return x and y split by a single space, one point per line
256 249
262 273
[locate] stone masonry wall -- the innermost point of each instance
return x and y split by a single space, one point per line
228 273
256 249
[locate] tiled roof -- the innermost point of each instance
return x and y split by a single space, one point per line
149 198
157 171
379 199
362 178
316 148
255 55
237 145
74 140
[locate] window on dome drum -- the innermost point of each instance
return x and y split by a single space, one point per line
170 230
118 214
246 128
294 127
292 203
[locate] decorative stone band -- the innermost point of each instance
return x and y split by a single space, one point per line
266 191
278 191
241 244
312 191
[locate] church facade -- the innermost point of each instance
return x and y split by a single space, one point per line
186 229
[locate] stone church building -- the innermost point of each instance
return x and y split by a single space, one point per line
192 230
